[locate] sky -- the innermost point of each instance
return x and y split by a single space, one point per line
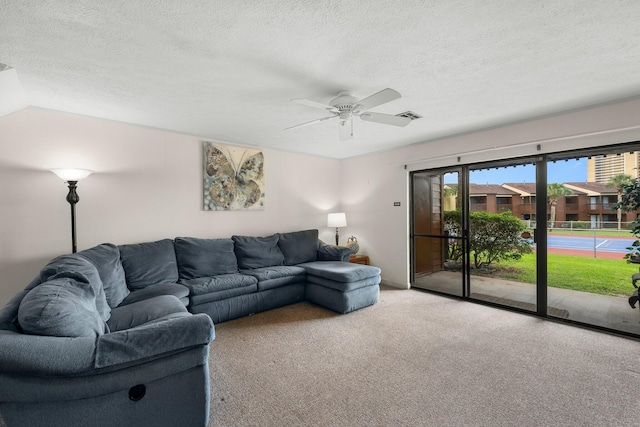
557 172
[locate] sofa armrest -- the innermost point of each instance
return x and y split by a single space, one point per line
333 253
153 339
39 355
43 355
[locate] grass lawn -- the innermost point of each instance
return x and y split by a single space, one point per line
594 275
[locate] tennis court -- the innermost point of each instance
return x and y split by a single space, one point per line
580 243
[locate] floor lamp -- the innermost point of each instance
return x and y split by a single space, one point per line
338 219
71 177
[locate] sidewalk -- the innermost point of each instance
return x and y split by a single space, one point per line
601 310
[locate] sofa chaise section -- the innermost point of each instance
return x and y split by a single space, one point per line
342 287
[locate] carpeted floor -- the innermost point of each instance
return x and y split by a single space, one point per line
416 359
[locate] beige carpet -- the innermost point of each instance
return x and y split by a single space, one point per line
416 359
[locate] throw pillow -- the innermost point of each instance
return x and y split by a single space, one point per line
149 263
78 268
106 258
257 252
61 307
299 246
205 257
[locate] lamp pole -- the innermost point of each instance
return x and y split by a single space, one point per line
73 199
71 178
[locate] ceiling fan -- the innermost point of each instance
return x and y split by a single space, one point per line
344 106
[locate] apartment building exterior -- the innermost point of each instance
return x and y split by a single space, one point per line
588 205
602 168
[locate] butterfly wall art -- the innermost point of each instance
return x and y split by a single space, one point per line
233 178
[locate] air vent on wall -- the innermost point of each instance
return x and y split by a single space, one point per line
410 115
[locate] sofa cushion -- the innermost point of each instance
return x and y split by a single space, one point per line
76 267
61 307
149 263
275 277
106 258
277 272
225 294
204 257
340 271
204 285
216 288
145 311
179 291
257 252
299 246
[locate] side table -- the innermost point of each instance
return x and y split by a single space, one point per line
359 259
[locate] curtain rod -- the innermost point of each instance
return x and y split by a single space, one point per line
538 142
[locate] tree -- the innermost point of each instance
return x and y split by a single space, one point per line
629 201
554 192
618 181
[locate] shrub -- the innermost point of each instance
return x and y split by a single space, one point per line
492 237
452 227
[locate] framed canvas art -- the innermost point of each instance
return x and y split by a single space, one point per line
233 178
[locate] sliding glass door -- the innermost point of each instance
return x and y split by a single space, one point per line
437 233
540 234
589 281
502 226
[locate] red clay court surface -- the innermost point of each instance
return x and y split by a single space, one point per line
576 252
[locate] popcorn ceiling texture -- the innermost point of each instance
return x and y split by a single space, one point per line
226 70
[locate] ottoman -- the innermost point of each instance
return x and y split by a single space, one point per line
341 286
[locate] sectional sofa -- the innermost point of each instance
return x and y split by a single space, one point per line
119 335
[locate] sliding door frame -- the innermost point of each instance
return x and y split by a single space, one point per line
463 175
463 172
540 234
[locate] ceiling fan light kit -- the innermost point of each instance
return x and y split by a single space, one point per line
345 106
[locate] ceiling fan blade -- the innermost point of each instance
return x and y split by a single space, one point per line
382 97
314 104
311 122
386 119
346 130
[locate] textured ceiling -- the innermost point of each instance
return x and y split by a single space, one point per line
226 70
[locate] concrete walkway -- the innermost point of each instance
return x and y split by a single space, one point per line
600 310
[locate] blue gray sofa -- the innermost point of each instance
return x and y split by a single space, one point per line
119 335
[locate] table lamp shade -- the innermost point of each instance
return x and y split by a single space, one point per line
338 219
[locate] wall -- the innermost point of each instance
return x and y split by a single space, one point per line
372 183
147 186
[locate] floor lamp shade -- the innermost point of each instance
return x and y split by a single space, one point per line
72 174
71 177
337 219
